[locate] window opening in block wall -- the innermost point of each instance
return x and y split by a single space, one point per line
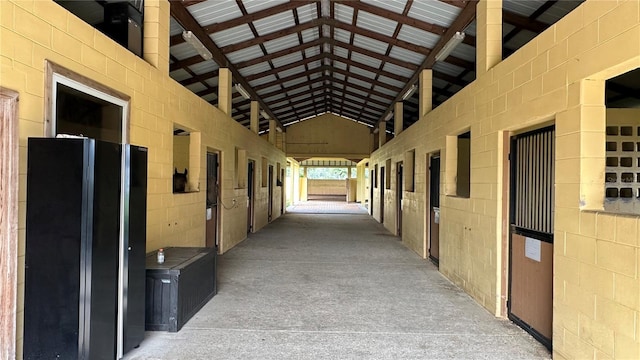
463 177
409 170
181 144
122 21
622 145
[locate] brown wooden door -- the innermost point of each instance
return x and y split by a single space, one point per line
399 192
250 194
381 183
434 209
530 302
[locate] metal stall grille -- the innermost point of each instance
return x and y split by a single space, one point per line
534 176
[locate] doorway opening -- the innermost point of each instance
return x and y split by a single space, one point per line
270 192
433 164
399 192
532 201
382 186
213 196
251 189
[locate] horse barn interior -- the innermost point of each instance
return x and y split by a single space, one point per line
497 141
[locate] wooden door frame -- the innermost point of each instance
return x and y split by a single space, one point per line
9 228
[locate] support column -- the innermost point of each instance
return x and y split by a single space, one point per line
398 117
372 142
225 93
255 116
426 92
284 142
382 133
155 46
272 131
489 35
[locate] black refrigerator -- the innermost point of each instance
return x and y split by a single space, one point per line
84 255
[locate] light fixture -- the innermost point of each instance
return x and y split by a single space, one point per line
243 92
409 92
264 114
455 40
197 45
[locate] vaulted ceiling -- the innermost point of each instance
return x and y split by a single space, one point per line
299 59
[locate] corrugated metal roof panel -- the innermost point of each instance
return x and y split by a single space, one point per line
307 13
342 35
314 64
398 70
255 69
364 59
309 35
245 54
396 6
559 10
340 65
359 92
370 44
183 51
383 90
469 77
297 91
447 68
378 98
204 67
391 81
294 82
435 12
295 70
376 23
339 76
439 83
174 27
464 51
287 59
263 80
257 5
417 36
341 52
281 43
209 12
522 7
406 55
521 38
213 82
343 13
471 29
274 23
210 97
195 87
270 89
312 51
232 35
179 75
359 71
359 82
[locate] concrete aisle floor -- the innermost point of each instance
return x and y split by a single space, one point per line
336 287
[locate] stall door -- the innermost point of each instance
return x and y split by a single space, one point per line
531 246
270 191
399 184
434 209
212 199
250 194
381 183
372 178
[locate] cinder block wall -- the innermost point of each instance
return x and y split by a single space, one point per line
557 78
34 32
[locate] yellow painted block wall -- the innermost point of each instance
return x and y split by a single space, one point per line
34 32
596 255
328 135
